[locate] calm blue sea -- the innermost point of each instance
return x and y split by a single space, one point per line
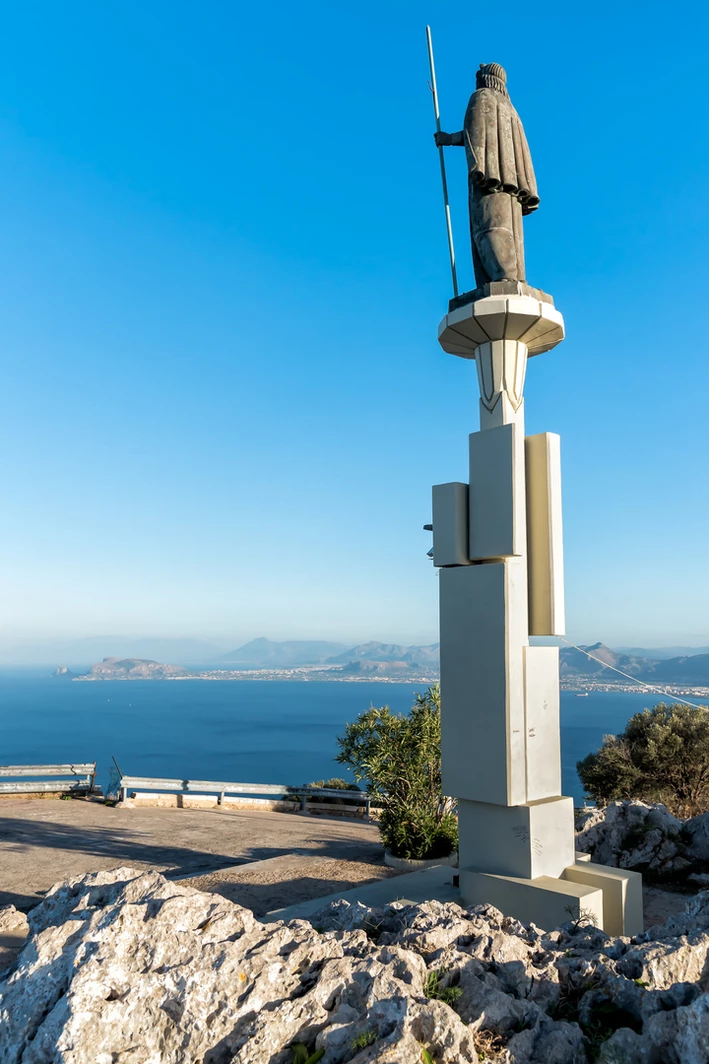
248 731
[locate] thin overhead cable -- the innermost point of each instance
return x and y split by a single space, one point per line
650 687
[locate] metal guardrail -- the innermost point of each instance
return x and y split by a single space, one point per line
147 783
82 781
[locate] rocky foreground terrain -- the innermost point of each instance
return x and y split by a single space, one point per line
128 968
122 968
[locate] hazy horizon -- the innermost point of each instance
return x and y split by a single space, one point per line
180 651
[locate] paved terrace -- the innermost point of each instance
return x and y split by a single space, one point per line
261 859
44 841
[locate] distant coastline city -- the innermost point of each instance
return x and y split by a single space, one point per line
595 667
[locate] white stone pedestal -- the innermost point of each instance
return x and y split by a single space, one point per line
497 542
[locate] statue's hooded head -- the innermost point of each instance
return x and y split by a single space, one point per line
491 76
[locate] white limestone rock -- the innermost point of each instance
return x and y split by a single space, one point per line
12 921
646 838
129 968
677 1037
697 830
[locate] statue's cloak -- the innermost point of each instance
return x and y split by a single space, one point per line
498 155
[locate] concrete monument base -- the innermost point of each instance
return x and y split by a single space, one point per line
525 841
545 901
622 895
497 543
610 898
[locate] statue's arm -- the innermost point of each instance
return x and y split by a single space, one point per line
449 140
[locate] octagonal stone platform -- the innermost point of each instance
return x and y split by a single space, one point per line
533 322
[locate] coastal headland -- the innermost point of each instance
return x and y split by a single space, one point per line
582 669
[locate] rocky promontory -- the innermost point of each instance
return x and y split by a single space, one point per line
131 968
63 673
133 669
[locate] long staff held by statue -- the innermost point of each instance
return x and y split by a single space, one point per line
434 93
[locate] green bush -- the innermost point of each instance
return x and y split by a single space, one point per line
399 758
335 784
662 756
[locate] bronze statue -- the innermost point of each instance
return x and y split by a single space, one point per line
501 183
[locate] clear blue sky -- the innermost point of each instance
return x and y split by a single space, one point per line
222 266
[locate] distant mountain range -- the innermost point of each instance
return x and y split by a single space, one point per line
388 652
661 653
371 658
264 653
692 669
574 662
394 659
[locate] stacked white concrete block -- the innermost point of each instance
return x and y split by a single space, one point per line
497 541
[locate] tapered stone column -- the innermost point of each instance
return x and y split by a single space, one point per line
497 542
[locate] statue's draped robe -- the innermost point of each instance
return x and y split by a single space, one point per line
501 185
498 155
